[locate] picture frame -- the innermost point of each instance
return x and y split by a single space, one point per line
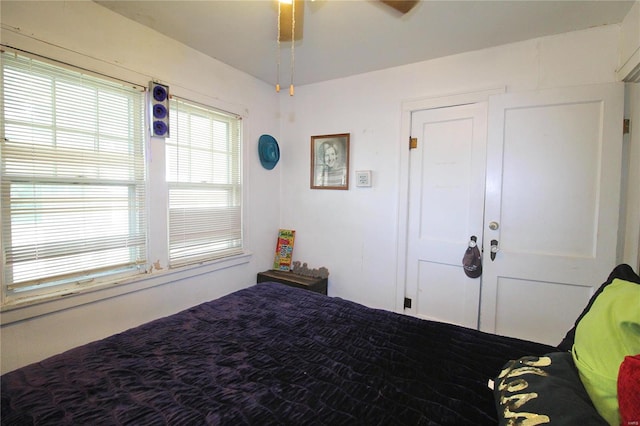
330 161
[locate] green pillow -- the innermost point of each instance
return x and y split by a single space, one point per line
604 336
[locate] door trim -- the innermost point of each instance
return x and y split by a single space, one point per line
408 107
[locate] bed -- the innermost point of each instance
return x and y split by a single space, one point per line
272 354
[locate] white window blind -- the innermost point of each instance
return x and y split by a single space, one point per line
204 179
73 178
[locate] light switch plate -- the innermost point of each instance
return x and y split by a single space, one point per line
363 178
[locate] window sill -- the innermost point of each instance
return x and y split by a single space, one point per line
23 310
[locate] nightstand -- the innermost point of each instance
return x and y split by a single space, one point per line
318 285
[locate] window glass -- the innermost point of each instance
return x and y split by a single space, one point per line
73 178
205 188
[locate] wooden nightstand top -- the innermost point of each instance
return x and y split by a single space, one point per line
319 285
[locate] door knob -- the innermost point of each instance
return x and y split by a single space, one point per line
494 249
494 225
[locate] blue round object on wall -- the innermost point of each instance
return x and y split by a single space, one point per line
269 151
159 93
159 111
159 128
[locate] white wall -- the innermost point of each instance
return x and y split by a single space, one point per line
629 247
354 233
87 35
629 70
630 44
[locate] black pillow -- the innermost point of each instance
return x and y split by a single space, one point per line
544 389
623 272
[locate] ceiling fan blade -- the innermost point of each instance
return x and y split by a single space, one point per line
402 6
285 20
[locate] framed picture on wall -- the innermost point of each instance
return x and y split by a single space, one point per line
330 161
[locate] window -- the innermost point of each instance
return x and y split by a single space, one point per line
72 179
204 178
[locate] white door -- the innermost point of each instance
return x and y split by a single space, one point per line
446 202
553 168
553 188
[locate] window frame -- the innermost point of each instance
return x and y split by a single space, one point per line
77 160
158 271
182 112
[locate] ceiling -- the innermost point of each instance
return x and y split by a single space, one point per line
343 38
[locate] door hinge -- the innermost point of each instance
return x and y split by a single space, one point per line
626 126
413 143
407 303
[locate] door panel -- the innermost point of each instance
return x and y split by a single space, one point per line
446 294
446 195
543 168
553 185
540 306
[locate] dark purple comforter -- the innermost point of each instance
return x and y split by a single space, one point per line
269 354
